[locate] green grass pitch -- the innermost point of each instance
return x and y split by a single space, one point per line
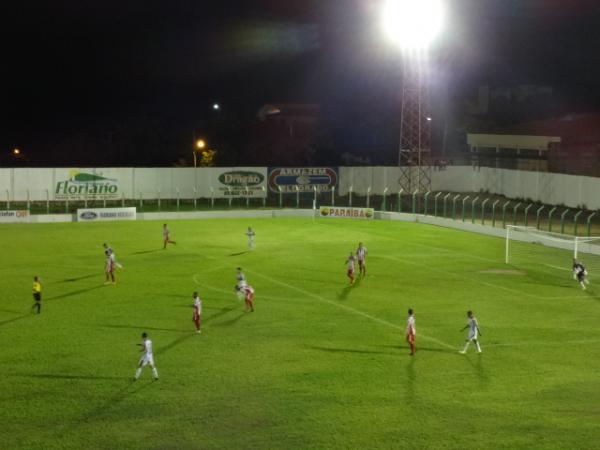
319 365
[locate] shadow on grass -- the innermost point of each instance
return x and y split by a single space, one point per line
222 312
476 362
73 293
232 321
83 277
240 253
14 319
175 343
422 349
136 327
65 377
349 350
119 396
143 252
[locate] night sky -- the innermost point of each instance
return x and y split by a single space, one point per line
93 68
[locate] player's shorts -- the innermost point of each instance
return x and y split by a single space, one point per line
580 276
37 296
250 297
361 261
350 272
145 360
472 336
110 268
410 338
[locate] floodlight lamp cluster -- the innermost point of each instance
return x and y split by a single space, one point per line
413 25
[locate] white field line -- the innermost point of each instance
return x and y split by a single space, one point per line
348 308
557 267
542 343
485 283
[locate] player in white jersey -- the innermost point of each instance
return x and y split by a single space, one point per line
197 312
166 237
109 268
250 233
111 252
580 273
474 332
411 331
240 282
361 255
350 267
146 359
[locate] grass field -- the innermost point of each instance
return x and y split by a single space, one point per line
319 365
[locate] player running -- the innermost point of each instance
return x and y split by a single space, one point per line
350 267
109 267
110 251
166 238
197 311
37 295
250 233
146 359
411 331
248 293
361 255
240 282
474 331
580 273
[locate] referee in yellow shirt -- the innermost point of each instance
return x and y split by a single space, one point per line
37 295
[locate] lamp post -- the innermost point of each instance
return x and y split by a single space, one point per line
199 145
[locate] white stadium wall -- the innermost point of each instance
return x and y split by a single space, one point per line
38 184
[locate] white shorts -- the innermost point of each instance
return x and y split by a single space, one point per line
472 336
145 360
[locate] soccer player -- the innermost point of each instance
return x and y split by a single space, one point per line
147 358
197 311
411 331
112 253
37 295
361 255
109 268
166 238
250 233
240 277
248 293
350 267
580 273
473 327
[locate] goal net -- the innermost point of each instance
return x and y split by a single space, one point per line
546 251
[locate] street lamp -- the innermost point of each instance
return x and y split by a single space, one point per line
200 144
413 24
216 106
16 152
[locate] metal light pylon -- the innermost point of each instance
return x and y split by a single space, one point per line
414 152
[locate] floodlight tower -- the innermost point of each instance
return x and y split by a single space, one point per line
413 25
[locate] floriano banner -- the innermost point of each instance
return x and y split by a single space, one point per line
349 213
85 185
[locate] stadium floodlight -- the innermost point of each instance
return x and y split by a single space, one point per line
413 24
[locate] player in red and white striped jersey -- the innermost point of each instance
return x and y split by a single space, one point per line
166 237
197 312
361 255
109 268
411 331
350 267
248 293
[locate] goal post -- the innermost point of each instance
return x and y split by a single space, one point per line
528 245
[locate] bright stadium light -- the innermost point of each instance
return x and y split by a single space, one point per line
413 24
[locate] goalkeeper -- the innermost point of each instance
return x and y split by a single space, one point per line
580 273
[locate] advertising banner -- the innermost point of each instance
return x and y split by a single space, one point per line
348 213
90 185
104 214
18 216
242 182
302 179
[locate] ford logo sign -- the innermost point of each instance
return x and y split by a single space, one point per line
88 215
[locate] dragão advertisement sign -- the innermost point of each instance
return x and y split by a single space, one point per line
86 185
302 179
241 182
346 213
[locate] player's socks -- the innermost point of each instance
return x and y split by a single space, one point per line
138 372
466 347
155 373
478 347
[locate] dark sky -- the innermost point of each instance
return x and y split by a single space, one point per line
68 65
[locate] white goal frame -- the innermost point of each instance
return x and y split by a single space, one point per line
576 244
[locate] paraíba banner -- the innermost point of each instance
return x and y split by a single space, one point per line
302 179
346 213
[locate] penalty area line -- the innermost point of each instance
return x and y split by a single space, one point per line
348 308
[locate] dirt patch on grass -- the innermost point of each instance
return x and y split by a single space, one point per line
503 271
